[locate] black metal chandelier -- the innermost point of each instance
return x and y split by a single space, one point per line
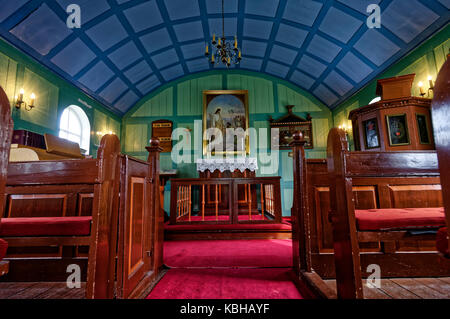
221 50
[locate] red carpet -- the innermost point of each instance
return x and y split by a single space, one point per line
228 253
226 284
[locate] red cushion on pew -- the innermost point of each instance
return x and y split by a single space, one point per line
442 241
399 218
3 248
45 226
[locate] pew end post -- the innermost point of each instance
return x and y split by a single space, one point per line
300 213
154 151
440 111
6 131
342 216
102 251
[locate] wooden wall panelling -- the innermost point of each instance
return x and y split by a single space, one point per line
47 99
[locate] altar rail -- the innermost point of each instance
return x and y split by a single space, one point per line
246 200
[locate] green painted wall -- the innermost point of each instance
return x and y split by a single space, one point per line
426 60
182 102
53 95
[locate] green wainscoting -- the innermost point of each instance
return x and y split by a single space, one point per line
182 102
53 95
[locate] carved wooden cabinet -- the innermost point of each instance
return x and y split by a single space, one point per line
398 122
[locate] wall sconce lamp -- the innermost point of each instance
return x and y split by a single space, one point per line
345 128
430 88
20 101
104 133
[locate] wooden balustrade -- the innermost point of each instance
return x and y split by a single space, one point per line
201 200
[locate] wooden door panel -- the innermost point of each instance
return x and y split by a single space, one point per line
135 258
135 228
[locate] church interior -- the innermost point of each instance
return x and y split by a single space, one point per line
224 149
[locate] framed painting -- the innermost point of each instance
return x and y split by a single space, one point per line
371 134
398 130
225 113
422 126
288 125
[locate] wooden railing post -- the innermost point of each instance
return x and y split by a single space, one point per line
153 158
6 130
301 241
342 215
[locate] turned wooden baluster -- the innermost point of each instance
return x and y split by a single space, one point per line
250 201
179 202
203 202
217 205
262 201
190 202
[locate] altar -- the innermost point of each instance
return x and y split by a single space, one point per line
235 167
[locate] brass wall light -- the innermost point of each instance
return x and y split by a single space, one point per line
20 101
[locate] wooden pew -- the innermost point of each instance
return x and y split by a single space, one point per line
108 204
350 227
66 204
441 125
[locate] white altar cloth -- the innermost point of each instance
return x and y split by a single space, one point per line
227 164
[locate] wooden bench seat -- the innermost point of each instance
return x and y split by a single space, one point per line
399 219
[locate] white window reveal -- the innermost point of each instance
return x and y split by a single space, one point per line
74 126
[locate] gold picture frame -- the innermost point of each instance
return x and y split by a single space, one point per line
423 129
397 125
232 101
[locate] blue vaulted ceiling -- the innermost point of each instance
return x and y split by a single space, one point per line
126 49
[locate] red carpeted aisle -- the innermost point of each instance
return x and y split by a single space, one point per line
227 269
258 283
228 253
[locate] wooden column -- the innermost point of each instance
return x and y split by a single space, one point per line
153 158
301 241
441 125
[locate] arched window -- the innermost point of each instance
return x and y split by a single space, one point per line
74 126
375 100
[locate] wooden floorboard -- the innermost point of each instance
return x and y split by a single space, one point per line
406 288
41 290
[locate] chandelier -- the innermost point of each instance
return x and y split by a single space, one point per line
221 50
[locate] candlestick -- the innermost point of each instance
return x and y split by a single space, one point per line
33 98
430 80
207 50
235 42
422 91
21 93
